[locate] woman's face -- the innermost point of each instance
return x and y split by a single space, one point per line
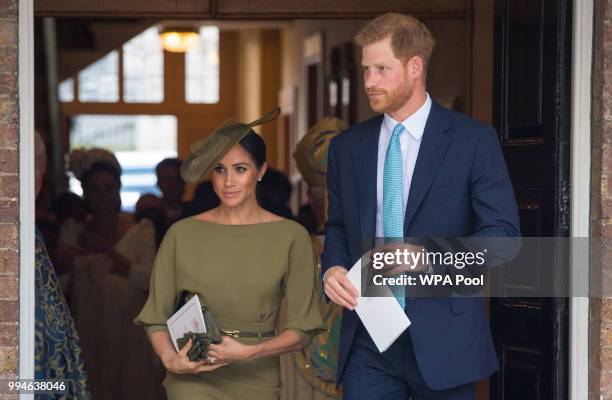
101 192
235 177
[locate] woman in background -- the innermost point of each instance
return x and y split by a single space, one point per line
310 374
110 258
58 353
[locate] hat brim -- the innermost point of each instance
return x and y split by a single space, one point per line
208 152
217 145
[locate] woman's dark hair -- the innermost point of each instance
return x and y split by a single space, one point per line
255 146
276 186
70 205
204 199
101 166
168 162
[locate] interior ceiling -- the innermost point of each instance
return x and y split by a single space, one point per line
251 9
82 41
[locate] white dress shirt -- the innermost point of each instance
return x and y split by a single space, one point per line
410 142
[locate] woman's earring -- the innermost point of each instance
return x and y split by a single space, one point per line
259 180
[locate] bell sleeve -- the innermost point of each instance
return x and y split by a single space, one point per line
302 290
162 288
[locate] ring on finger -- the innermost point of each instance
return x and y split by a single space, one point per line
211 360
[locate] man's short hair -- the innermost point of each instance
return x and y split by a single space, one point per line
168 162
409 36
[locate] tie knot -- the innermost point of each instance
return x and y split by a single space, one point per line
399 128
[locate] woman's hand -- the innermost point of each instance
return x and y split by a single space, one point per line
230 350
179 363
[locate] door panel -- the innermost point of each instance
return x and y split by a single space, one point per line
531 113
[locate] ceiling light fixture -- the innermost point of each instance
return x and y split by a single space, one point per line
178 39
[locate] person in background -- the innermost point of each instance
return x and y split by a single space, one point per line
70 205
204 199
45 214
100 175
152 207
274 192
172 187
66 206
310 374
57 350
110 258
307 219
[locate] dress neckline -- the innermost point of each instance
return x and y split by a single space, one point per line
239 225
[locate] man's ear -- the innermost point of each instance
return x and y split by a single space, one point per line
416 67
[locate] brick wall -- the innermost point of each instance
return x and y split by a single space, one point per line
9 191
600 340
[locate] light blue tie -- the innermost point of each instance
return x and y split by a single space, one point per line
393 199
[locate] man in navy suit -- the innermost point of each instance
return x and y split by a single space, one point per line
454 183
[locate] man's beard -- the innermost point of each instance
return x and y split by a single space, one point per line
391 101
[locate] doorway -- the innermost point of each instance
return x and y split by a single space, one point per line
560 174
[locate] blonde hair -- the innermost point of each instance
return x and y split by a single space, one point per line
409 36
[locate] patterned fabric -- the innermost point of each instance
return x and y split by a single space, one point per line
310 374
393 198
57 350
319 361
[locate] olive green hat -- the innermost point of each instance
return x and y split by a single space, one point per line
208 151
311 152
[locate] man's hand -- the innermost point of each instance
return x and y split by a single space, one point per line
339 288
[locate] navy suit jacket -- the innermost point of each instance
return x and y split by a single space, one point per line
460 187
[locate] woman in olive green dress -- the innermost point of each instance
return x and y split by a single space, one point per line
241 261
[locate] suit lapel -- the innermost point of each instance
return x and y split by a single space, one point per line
365 157
436 138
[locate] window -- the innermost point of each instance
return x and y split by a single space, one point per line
65 91
143 68
99 82
202 68
142 72
138 141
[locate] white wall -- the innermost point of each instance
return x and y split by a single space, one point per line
335 32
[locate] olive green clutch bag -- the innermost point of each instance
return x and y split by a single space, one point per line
200 341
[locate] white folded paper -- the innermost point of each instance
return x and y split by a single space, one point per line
382 317
188 318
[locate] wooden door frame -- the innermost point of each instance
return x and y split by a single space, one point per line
580 197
